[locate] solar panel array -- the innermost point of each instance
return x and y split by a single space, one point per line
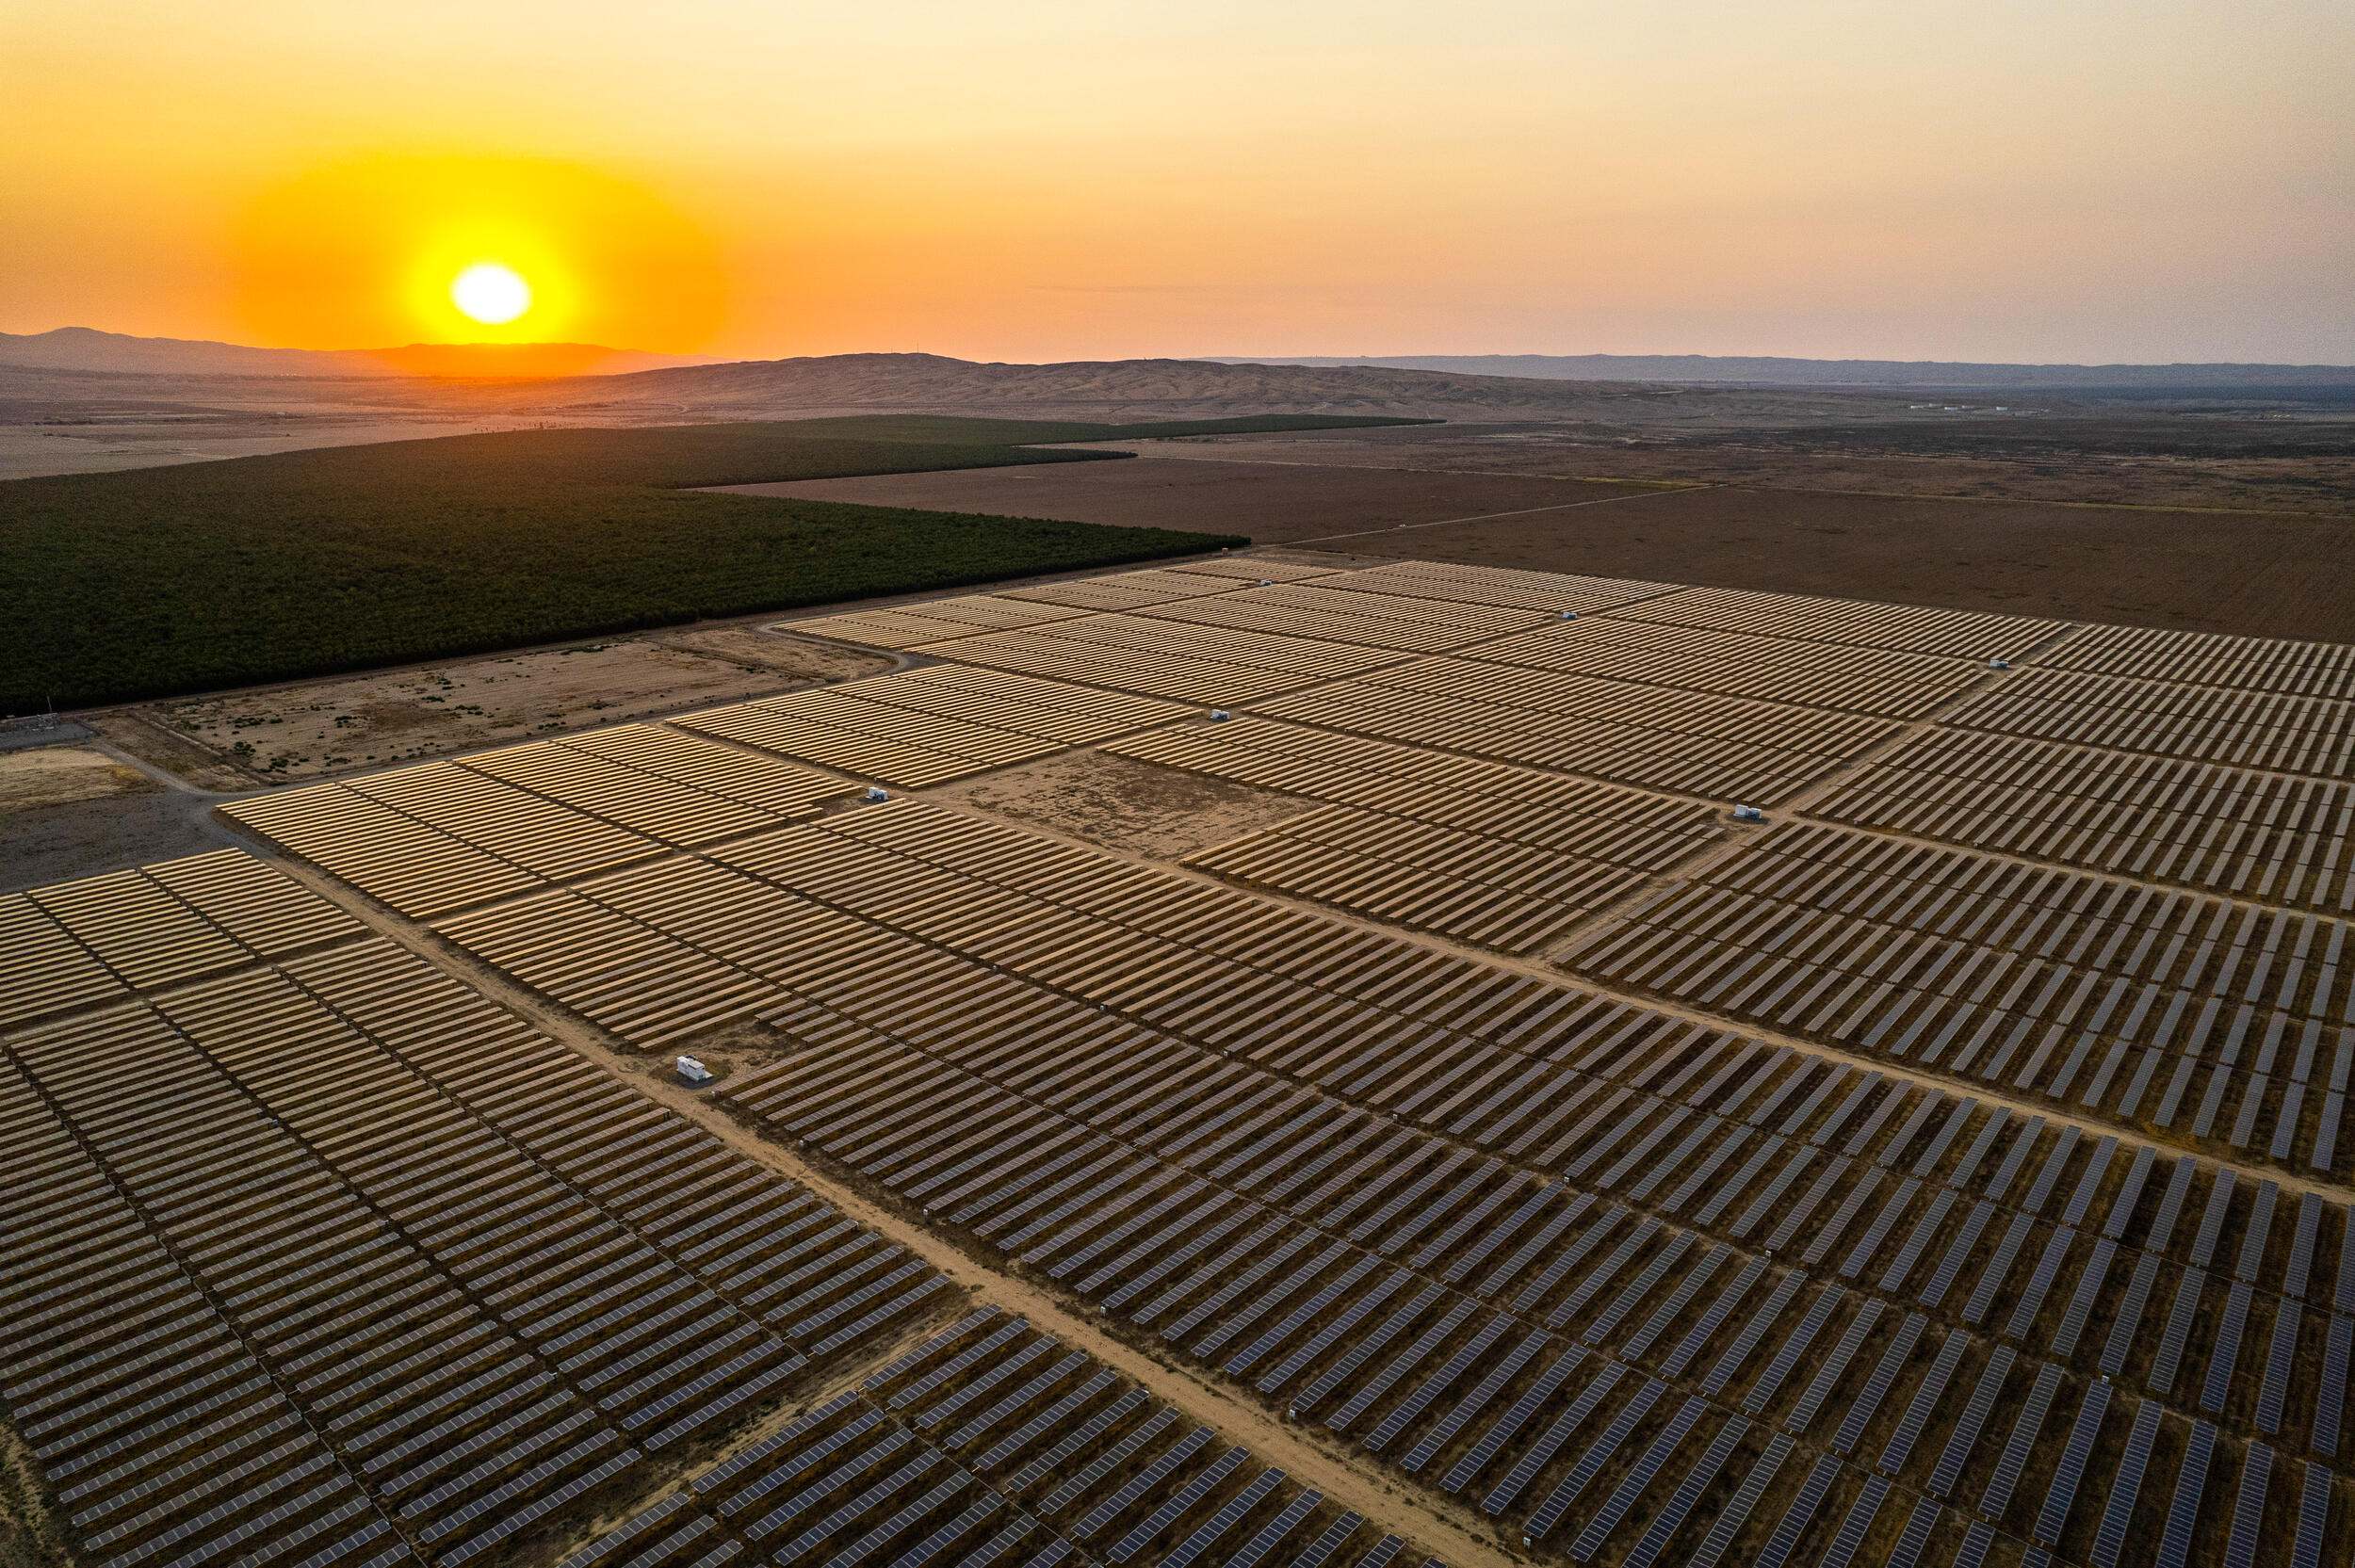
1948 1172
441 835
76 944
991 1442
1495 855
1167 658
2147 1006
1691 743
921 726
329 1258
929 621
2263 837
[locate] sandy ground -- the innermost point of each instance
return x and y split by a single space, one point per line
134 733
317 728
78 811
86 838
29 451
31 1535
58 775
1136 808
2271 574
2105 455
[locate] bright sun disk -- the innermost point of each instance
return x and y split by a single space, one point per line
490 293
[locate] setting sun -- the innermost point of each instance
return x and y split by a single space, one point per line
490 294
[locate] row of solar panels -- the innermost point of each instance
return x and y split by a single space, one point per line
992 1443
331 1256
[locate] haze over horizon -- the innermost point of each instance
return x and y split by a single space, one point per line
79 345
1044 181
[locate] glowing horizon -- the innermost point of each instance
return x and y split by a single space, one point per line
1036 181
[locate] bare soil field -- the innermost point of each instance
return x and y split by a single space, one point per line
89 837
137 733
57 775
2269 574
103 444
319 728
1136 808
2266 576
30 1536
2301 462
1275 502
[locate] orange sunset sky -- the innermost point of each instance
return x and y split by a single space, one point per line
2089 181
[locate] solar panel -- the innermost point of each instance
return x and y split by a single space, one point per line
2313 1518
1367 1348
2248 1506
1411 1409
2225 1353
1404 1364
1695 1483
1915 1539
1477 1401
1597 1454
1924 1404
1745 1501
1267 1300
1638 1480
1321 1550
1857 1524
1868 1401
1753 1333
1211 1531
1800 1515
1974 1416
2062 1494
2183 1513
1564 1427
1051 1420
2177 1334
1276 1531
1179 1502
1139 1438
1704 1327
2110 1536
1508 1425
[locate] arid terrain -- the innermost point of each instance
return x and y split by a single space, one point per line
1135 807
2241 445
316 729
1489 498
76 809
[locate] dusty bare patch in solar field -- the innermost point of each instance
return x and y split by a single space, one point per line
1135 807
29 1535
323 728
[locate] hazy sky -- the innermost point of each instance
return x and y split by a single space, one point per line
2088 180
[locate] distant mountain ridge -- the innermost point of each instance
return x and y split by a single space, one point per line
86 348
1767 371
929 376
1105 389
